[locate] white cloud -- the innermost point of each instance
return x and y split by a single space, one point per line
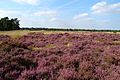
23 17
54 19
82 17
31 2
28 19
9 13
105 8
47 13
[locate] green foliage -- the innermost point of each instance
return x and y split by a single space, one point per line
6 24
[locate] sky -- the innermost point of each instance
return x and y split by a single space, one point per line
78 14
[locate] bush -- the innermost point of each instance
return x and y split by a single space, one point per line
6 24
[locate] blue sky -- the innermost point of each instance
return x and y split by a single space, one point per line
83 14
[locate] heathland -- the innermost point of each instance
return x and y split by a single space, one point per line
59 55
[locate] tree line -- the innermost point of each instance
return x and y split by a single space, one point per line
7 24
61 29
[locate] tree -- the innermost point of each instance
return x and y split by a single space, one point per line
6 24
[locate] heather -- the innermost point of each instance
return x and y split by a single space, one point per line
60 56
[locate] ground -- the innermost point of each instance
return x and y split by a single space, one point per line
18 33
59 55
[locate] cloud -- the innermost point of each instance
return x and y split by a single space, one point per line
23 17
46 13
10 13
29 19
105 8
82 17
54 19
31 2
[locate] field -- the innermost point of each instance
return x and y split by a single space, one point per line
59 55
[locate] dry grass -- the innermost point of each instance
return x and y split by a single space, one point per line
116 42
68 44
15 34
1 42
19 33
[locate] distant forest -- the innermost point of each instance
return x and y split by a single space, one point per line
7 24
58 29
